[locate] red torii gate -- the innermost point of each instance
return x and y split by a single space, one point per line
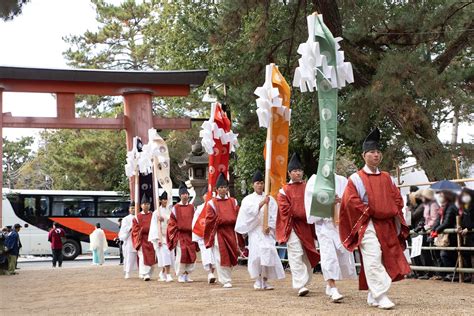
137 88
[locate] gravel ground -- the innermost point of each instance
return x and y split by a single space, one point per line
102 290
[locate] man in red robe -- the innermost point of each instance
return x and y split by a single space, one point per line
219 234
179 236
293 229
371 218
140 229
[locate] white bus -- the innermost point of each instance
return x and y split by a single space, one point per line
76 211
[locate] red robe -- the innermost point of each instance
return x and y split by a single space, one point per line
221 221
292 215
140 229
385 209
180 229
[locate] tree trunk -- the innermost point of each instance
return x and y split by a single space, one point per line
417 130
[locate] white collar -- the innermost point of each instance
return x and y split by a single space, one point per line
367 170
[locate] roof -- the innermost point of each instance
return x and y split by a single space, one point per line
175 77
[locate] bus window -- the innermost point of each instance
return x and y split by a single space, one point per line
113 206
44 206
81 206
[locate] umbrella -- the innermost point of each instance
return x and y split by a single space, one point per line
445 185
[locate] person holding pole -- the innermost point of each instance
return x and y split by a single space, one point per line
179 236
293 229
263 262
160 220
371 218
207 257
336 262
140 230
219 233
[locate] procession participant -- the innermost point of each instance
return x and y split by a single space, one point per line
179 235
164 256
219 234
130 259
371 218
263 262
293 229
98 244
336 262
140 230
207 257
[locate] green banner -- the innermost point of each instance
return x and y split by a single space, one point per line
322 67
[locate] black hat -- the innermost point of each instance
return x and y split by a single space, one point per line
204 191
145 199
132 204
257 176
413 188
17 226
371 142
221 181
295 163
183 189
164 196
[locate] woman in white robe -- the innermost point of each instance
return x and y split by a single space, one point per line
263 261
98 244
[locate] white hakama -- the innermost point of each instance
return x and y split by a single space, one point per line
263 257
207 256
164 256
337 262
130 259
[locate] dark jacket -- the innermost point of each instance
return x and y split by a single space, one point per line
12 243
448 220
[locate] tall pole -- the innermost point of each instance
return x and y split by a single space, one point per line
268 151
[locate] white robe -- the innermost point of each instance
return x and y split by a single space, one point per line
336 262
98 244
130 258
207 257
164 256
263 257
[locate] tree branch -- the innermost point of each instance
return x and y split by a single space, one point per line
463 41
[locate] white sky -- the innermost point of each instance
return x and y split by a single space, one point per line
34 39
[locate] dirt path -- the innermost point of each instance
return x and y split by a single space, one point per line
102 290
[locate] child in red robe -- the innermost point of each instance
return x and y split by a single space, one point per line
293 229
219 234
179 236
140 229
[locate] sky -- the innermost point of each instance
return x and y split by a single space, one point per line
34 39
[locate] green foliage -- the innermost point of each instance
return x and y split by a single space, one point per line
411 63
9 9
15 155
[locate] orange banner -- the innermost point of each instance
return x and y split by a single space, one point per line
280 134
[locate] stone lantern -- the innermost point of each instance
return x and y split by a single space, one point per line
196 164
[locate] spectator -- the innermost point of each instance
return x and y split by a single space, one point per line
3 253
98 244
430 215
12 245
447 219
466 203
415 210
55 237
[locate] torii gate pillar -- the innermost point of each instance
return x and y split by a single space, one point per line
138 115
